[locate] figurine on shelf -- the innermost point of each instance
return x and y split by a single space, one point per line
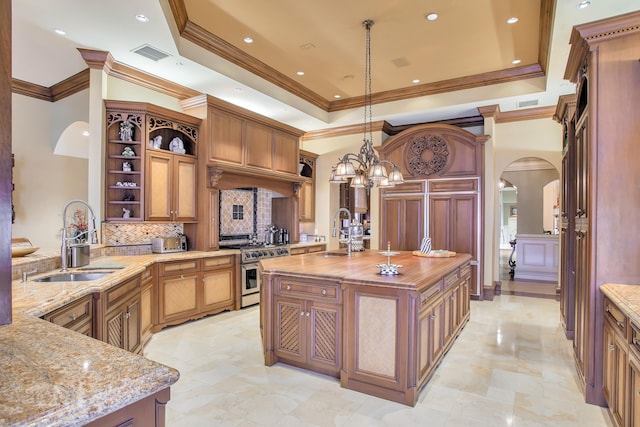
126 131
177 146
156 142
128 198
128 152
126 167
126 213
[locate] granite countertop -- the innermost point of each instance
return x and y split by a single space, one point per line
626 297
52 376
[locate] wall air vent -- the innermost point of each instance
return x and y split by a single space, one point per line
529 103
150 52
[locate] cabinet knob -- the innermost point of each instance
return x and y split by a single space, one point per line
635 341
324 292
308 314
433 317
73 316
611 347
288 287
620 324
302 313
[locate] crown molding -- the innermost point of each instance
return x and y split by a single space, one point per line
67 87
214 44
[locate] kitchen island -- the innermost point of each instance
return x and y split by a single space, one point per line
381 335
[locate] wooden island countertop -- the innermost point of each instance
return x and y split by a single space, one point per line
381 335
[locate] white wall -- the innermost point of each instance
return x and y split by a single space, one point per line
44 182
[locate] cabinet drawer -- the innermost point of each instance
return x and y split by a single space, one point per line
74 313
221 261
635 338
178 267
327 291
614 315
147 274
450 279
430 294
319 248
297 251
465 270
115 295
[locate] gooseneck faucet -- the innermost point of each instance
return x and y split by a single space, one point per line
94 233
333 233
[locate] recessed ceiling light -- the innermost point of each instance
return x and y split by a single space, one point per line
59 31
516 61
583 4
512 20
415 81
85 133
336 96
300 73
142 18
248 40
432 16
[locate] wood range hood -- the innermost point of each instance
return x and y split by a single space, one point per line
226 177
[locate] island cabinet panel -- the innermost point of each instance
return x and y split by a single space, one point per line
307 321
146 412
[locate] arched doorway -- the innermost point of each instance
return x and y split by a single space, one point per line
528 244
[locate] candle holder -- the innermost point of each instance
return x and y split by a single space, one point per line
389 269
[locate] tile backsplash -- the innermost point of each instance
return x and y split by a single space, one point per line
135 237
244 211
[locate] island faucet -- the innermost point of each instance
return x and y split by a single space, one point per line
94 233
333 233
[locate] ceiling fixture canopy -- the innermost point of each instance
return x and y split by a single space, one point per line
365 168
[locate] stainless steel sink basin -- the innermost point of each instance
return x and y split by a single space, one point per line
334 254
72 277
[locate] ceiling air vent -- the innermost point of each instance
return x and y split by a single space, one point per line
150 52
530 103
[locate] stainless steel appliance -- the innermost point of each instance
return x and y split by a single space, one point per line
161 245
250 256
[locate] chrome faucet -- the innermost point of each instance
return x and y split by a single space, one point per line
94 233
333 233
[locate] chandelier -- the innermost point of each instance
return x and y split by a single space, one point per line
365 168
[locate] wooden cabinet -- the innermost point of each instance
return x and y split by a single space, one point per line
120 323
603 65
170 187
146 305
77 316
634 378
615 361
308 249
177 291
430 331
565 112
308 321
124 184
150 163
402 219
307 197
191 289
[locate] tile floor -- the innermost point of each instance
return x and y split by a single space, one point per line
511 366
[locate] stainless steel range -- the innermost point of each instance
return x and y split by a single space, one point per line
250 256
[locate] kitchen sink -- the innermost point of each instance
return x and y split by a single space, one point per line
72 277
334 254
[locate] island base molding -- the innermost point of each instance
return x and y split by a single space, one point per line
147 412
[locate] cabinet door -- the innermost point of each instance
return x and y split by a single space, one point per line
259 146
146 302
178 297
285 153
133 336
634 390
621 363
430 338
307 202
225 143
158 186
324 335
608 364
403 220
76 316
217 289
290 317
184 187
